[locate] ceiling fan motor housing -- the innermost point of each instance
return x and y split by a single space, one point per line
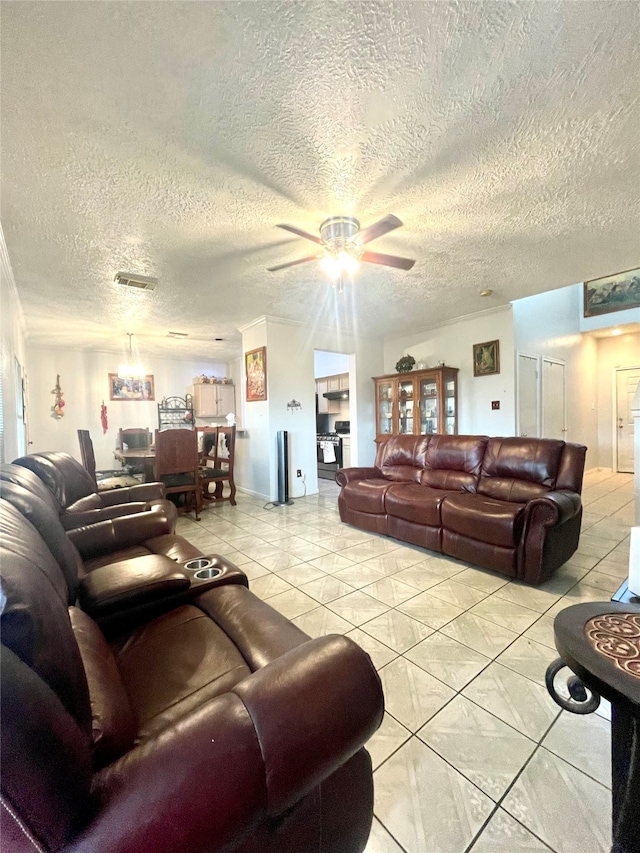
338 231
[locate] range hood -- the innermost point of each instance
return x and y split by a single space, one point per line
337 395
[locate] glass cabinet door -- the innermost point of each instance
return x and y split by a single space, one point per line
450 406
405 406
385 408
428 406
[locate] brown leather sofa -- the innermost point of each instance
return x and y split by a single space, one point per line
214 725
75 491
508 504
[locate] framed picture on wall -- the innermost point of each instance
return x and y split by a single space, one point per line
135 389
255 364
486 358
612 293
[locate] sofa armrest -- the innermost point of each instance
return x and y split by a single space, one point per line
130 583
143 492
94 540
555 507
312 709
346 475
71 520
207 780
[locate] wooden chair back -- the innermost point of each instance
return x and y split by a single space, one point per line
135 438
217 461
176 465
86 453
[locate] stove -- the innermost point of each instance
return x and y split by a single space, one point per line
329 454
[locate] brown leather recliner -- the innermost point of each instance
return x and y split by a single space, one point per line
75 493
216 726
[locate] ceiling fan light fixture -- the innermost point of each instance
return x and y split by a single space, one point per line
337 264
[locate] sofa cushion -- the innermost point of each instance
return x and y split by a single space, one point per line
401 457
412 502
113 725
34 617
367 495
495 522
46 520
88 502
454 461
520 469
174 664
63 475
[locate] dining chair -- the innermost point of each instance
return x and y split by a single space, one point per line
136 438
176 465
105 480
216 462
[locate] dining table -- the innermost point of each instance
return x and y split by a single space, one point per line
142 455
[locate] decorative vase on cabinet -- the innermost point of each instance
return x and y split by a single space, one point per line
417 403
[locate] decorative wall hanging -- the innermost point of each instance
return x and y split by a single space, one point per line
59 404
255 363
486 358
612 293
104 420
123 388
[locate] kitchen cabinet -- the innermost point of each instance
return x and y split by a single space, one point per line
326 407
213 400
417 403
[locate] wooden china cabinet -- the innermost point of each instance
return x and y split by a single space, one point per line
417 403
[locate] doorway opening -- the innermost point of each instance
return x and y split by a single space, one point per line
334 375
626 382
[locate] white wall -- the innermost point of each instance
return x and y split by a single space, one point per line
453 344
620 351
329 363
84 382
12 343
548 324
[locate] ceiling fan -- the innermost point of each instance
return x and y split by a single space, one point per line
342 241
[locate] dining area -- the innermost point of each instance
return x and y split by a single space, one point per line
194 463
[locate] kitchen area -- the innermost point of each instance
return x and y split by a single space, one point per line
333 422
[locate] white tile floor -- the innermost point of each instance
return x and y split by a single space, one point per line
473 755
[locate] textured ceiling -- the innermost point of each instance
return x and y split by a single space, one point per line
169 138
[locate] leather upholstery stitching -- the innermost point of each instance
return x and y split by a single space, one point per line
28 835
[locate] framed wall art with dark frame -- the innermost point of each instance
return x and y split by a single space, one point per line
255 364
131 388
486 358
612 293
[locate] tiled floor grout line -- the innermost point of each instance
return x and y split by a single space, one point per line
603 540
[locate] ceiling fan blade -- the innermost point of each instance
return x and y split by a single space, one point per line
377 230
387 260
292 263
300 233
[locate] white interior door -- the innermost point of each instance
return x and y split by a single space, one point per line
528 395
554 407
626 383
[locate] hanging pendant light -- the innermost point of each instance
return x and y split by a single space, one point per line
129 370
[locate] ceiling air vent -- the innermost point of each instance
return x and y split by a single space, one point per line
177 334
132 279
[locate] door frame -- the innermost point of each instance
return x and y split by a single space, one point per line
614 412
551 360
536 358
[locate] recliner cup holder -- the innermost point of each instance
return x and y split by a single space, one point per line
197 564
205 574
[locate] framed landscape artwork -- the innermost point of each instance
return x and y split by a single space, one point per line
612 293
131 389
486 358
255 362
